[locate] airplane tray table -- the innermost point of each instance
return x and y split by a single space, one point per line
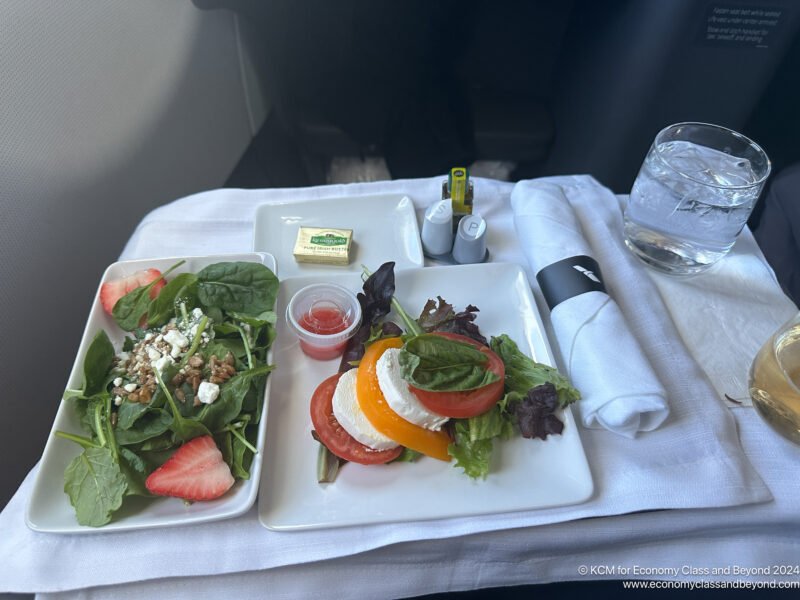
730 481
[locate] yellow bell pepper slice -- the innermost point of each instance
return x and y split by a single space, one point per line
383 418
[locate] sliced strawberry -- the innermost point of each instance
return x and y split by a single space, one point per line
112 291
195 472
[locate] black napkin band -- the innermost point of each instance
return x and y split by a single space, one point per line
568 278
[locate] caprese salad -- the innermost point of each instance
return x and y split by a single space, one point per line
438 389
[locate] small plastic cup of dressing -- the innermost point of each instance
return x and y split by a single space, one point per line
324 316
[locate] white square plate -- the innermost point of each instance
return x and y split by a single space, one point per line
384 228
49 509
525 474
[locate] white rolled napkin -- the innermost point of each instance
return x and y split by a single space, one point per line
619 389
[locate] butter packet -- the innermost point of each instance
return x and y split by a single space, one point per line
323 245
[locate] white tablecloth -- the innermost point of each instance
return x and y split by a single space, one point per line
747 535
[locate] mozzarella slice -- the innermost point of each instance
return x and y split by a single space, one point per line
348 413
401 399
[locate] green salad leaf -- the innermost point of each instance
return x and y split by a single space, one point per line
162 307
436 363
474 440
523 374
229 404
128 440
129 310
243 287
95 486
99 357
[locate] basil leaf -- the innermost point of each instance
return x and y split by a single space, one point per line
523 374
435 363
95 486
98 361
162 307
243 287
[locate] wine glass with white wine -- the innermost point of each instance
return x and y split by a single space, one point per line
775 381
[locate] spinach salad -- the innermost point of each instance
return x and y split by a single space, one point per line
194 363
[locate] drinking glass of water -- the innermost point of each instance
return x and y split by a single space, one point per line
692 197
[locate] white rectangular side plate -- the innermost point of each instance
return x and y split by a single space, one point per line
49 509
525 474
384 228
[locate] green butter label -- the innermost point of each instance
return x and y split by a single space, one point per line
328 239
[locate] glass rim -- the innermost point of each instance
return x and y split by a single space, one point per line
727 130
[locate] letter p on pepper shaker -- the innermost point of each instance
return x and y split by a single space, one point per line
470 243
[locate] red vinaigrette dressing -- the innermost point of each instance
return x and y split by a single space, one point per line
324 320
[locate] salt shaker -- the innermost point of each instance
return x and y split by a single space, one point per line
437 229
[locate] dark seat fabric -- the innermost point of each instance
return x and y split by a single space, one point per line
778 230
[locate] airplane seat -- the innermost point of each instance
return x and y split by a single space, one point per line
778 229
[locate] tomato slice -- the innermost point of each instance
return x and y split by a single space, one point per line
383 418
333 435
468 403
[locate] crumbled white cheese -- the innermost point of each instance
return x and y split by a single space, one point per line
153 354
118 382
162 363
129 387
207 392
148 336
197 313
117 400
176 338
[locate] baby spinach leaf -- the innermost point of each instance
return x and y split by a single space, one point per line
223 442
242 458
129 412
154 423
243 287
435 363
183 428
162 307
135 471
221 329
160 444
232 393
128 344
99 357
268 317
221 347
129 310
95 486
